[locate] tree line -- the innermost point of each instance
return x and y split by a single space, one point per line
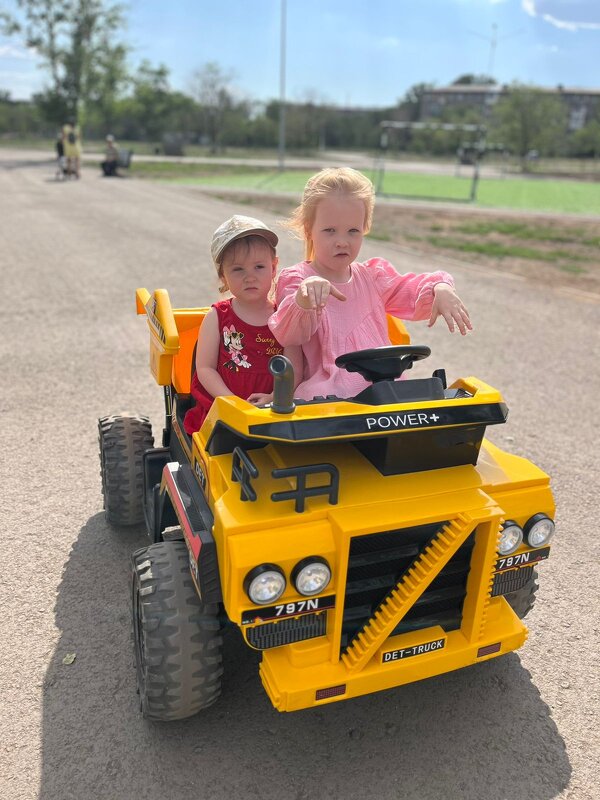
89 81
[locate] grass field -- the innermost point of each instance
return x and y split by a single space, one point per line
560 251
532 194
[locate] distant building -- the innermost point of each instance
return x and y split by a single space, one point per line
581 103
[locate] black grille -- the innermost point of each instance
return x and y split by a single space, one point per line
378 561
511 581
286 631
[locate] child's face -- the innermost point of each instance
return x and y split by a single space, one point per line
337 232
248 271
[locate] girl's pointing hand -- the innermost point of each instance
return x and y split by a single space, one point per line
313 293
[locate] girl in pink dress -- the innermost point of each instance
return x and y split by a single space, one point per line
234 341
331 304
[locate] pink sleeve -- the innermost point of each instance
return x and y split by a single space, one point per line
408 296
291 324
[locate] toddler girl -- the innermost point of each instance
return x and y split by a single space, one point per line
234 342
331 304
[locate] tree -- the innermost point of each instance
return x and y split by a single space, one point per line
586 141
526 118
412 101
210 88
76 42
17 117
469 79
151 100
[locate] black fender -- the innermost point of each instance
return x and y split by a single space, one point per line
180 494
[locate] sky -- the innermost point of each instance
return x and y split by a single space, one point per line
360 53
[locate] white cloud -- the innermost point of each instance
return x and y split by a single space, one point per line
21 85
570 15
19 53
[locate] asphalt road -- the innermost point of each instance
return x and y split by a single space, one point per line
72 349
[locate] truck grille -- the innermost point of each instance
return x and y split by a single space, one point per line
286 631
511 581
376 563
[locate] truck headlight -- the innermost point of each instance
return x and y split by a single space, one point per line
511 537
539 529
264 584
311 575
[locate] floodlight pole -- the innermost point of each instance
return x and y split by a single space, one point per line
282 89
493 44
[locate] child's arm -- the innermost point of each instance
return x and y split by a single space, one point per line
300 301
417 297
207 354
260 398
447 304
295 355
313 293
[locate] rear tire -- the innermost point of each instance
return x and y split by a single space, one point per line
177 640
123 441
523 600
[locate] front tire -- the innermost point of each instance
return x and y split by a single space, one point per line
523 600
177 640
123 440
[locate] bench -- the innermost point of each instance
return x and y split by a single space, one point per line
124 160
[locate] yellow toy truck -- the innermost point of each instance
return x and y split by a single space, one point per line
359 543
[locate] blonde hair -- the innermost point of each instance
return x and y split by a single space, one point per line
230 253
344 180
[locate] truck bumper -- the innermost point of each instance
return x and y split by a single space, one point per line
401 659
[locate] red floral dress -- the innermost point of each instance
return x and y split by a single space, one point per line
243 362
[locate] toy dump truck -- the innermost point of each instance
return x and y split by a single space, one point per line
358 543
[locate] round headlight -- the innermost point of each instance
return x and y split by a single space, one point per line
265 584
539 530
311 575
511 537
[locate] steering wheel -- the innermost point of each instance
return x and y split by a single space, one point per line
382 363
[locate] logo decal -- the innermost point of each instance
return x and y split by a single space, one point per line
414 419
200 474
416 650
194 567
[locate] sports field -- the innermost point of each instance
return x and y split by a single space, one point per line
533 194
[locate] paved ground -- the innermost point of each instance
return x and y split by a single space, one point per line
524 726
326 159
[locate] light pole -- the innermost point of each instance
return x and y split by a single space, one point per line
493 40
282 89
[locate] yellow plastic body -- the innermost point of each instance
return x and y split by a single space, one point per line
471 499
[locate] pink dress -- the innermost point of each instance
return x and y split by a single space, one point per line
243 362
374 289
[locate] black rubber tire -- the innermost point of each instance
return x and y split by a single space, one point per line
177 639
123 441
523 600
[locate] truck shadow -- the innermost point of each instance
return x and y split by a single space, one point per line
482 732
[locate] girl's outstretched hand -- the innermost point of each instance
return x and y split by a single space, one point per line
313 293
447 304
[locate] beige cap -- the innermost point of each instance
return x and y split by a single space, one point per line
237 227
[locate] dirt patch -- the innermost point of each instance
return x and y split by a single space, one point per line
559 252
542 249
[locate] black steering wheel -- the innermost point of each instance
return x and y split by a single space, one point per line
382 363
